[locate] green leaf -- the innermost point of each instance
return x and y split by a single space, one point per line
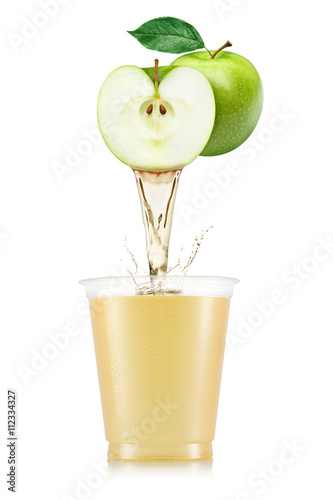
168 34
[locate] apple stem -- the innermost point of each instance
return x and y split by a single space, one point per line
209 52
227 44
156 71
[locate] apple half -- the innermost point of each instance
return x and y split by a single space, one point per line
160 123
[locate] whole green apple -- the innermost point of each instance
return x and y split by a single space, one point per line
238 95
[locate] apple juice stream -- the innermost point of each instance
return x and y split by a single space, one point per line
157 192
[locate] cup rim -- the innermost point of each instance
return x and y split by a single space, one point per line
163 277
114 286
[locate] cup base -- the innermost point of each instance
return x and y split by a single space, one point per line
160 453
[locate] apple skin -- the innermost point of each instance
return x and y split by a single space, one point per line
162 72
238 95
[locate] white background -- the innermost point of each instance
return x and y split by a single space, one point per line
277 383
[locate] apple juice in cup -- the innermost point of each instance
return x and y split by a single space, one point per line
159 359
159 339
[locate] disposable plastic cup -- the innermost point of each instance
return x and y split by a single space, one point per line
159 344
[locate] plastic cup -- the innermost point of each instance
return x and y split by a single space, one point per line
159 344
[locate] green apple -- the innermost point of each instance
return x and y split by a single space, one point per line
238 95
156 120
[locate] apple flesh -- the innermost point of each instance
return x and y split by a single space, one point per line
156 125
238 95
